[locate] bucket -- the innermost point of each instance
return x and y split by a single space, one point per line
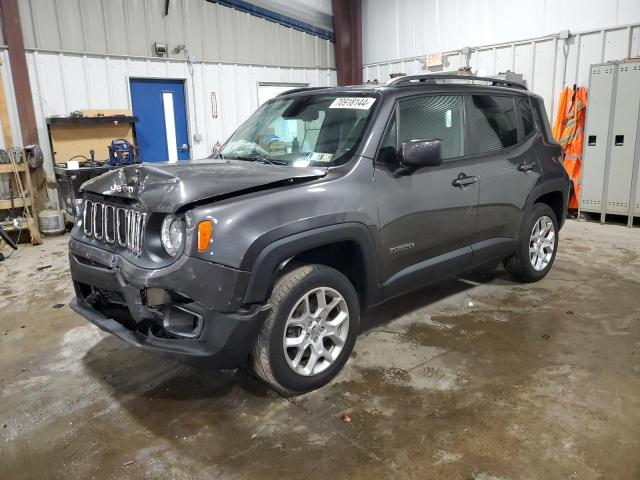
51 222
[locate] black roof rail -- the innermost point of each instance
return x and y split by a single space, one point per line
405 79
301 89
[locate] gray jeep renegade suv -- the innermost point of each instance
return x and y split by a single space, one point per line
325 202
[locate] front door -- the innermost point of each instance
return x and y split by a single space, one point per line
428 218
161 131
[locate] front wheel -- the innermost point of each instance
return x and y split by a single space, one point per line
310 331
537 248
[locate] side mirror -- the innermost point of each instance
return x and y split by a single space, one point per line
415 154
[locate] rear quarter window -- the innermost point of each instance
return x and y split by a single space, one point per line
526 116
494 123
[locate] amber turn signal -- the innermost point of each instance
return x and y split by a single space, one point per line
204 235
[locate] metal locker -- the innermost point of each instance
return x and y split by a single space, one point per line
611 154
634 208
622 145
636 177
597 131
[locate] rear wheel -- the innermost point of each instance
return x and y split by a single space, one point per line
536 251
310 331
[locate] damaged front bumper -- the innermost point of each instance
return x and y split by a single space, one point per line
190 308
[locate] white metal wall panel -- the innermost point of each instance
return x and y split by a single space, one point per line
92 23
12 107
591 49
133 26
616 43
547 63
115 28
69 13
45 27
541 81
62 83
394 29
504 58
211 32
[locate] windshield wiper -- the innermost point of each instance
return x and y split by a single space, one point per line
260 159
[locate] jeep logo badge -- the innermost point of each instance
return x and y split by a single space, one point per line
122 188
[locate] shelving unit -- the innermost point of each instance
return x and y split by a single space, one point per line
17 202
74 137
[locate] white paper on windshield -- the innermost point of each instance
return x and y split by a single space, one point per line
302 163
358 103
320 157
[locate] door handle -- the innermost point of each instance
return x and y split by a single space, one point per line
463 180
526 167
184 147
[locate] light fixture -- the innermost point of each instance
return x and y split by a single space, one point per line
160 49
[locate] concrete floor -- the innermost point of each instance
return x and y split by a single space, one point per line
476 378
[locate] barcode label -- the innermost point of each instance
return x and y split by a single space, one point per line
358 103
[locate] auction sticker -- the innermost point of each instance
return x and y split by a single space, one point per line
320 157
358 103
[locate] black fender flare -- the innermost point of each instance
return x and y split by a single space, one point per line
559 184
275 255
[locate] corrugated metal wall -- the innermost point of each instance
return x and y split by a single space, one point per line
211 32
81 54
394 29
12 107
62 83
547 63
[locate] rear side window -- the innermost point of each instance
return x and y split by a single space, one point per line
433 117
494 123
526 114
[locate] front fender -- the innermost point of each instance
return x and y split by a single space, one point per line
266 265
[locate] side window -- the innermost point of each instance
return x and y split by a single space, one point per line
434 117
387 151
526 115
494 123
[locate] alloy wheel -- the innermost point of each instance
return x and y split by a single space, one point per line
542 243
316 331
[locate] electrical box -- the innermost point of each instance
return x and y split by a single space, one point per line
611 157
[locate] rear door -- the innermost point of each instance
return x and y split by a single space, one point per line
502 139
427 219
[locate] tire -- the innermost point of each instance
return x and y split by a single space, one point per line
290 313
520 264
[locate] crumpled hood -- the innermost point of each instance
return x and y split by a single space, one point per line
166 187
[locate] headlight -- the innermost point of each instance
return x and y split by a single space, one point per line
172 234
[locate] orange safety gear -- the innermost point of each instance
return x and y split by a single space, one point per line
568 130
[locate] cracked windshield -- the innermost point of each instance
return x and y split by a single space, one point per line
303 131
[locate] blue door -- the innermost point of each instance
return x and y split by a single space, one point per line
161 131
